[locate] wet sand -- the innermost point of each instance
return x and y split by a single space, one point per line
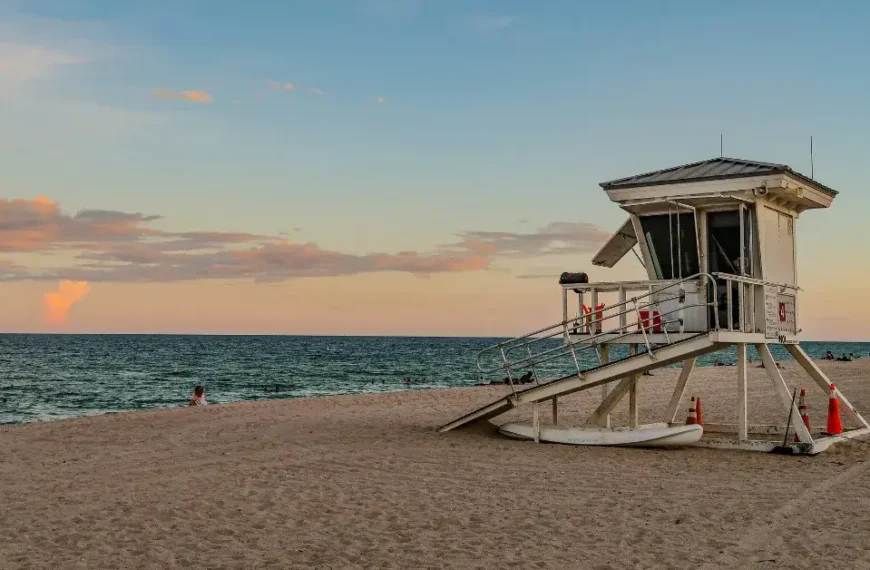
367 482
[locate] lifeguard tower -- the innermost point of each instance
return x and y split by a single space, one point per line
717 241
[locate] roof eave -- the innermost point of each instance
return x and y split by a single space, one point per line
810 182
785 170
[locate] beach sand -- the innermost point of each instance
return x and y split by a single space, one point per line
366 482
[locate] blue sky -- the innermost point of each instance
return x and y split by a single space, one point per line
494 110
496 115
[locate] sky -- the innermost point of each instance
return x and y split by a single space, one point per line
396 167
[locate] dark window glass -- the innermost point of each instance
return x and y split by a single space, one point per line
724 231
672 244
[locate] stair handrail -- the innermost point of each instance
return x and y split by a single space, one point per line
562 326
580 344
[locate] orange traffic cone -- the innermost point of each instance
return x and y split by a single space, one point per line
700 417
835 424
692 419
802 408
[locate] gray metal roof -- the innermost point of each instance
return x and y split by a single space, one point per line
713 169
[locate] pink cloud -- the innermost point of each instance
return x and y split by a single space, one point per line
286 86
119 246
195 96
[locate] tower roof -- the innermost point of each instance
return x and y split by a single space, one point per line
721 168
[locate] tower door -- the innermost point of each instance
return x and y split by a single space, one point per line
731 249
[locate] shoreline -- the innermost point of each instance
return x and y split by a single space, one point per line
398 387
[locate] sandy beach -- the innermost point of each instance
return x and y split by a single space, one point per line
367 482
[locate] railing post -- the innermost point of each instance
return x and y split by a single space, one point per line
574 356
642 328
534 370
507 368
715 287
623 321
593 314
753 323
565 310
658 307
728 306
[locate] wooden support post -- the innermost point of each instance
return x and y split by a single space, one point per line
601 415
742 423
819 377
536 422
632 394
613 398
604 421
555 410
782 388
674 405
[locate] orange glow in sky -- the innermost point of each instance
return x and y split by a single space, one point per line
56 304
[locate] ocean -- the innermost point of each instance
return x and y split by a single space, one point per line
51 377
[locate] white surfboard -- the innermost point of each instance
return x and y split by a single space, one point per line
641 437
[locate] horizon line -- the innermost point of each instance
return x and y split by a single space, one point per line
7 333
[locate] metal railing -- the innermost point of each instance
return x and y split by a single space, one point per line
743 315
655 320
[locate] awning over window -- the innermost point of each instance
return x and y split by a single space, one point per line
617 246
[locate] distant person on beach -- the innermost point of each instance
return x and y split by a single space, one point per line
829 355
198 397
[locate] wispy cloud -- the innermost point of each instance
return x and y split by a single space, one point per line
286 86
380 100
554 239
119 246
23 63
275 85
195 96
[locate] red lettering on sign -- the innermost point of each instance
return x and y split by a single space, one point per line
782 312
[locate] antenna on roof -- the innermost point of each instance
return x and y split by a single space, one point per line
721 154
812 166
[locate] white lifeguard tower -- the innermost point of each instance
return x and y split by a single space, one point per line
717 241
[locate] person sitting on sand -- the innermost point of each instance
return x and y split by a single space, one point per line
198 397
829 355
